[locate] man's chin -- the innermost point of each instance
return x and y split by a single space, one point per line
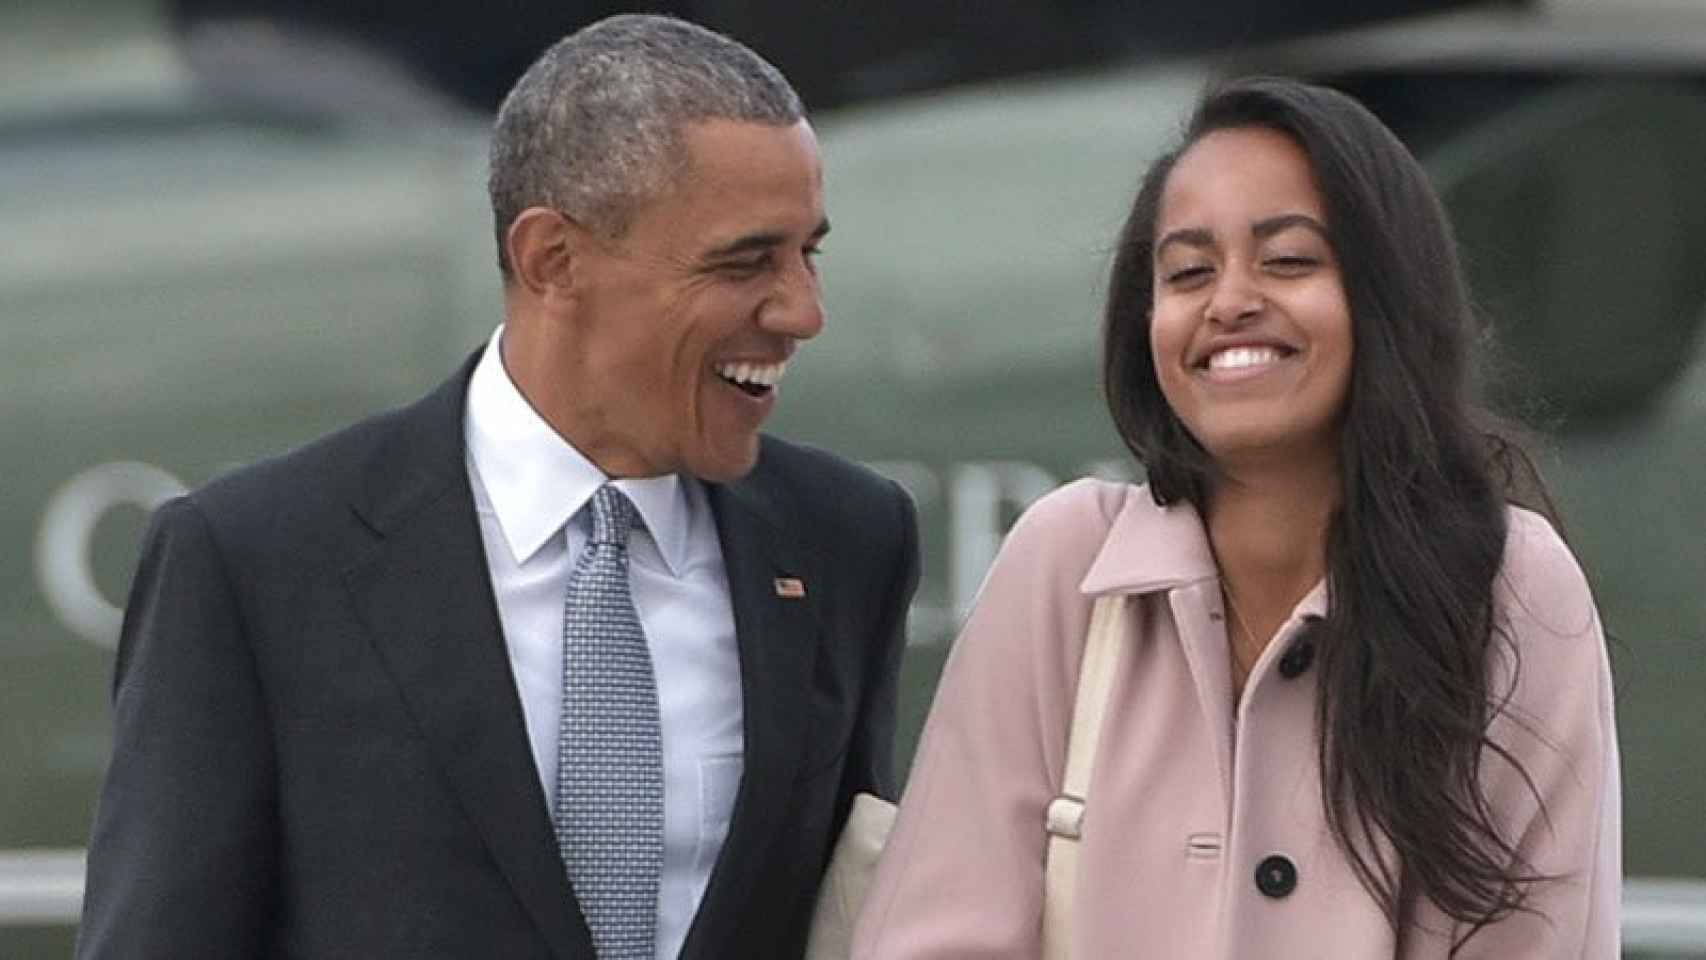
728 463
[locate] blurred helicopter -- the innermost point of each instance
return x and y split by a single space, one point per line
192 279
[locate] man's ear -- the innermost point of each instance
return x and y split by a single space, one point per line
543 247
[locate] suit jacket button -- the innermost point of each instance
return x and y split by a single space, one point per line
1276 877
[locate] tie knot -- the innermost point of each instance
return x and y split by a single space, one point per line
613 515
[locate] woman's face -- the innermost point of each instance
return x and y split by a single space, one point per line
1250 330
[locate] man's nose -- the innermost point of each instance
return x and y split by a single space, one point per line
795 307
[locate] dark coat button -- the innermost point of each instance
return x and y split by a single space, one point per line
1301 654
1297 658
1276 877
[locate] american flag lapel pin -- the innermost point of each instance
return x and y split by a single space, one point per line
790 588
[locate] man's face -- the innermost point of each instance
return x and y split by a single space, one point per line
686 322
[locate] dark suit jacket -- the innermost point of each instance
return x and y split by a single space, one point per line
320 751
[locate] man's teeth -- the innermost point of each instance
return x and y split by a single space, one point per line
756 374
1238 358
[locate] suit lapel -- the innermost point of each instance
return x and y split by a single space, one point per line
778 641
425 596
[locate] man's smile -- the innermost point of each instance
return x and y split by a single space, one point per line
753 379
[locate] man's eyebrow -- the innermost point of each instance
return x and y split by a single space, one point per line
764 240
1264 229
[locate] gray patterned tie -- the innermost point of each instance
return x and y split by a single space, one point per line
609 745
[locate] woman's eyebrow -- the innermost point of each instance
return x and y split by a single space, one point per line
1263 229
1189 236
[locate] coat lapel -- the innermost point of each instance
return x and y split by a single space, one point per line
425 596
778 639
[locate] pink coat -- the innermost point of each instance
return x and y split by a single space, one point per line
1186 800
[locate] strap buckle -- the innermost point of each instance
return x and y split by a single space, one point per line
1066 817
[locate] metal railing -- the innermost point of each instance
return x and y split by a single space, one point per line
1664 915
45 888
40 888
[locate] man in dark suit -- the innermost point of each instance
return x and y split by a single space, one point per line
565 653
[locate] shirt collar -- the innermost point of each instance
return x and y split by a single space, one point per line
537 481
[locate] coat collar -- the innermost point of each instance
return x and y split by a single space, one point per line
1152 548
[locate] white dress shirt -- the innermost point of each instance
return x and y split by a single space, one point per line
529 487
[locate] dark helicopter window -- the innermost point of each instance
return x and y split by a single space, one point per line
1556 180
1427 108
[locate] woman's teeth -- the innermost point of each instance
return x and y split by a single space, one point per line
1238 358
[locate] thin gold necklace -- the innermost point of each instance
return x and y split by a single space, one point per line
1243 669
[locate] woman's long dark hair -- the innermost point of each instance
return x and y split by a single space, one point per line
1411 552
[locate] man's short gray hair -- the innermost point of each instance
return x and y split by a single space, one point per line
594 128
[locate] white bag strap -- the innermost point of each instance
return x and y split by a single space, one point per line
1102 647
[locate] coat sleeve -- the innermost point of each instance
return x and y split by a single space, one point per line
870 763
181 857
1559 724
962 873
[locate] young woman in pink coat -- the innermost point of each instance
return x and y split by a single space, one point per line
1365 707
